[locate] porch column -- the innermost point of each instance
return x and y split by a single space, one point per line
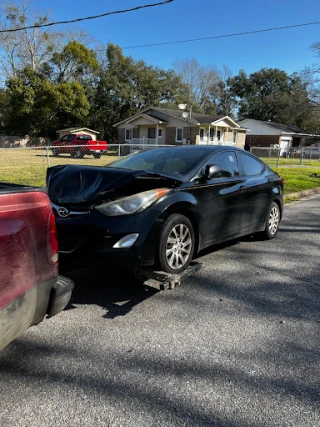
209 138
157 133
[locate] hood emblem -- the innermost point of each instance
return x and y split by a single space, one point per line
63 212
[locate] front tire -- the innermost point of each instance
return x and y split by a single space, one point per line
272 222
176 244
97 155
55 152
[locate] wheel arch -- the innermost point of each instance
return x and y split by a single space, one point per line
278 202
186 209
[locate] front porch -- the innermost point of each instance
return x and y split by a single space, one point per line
215 141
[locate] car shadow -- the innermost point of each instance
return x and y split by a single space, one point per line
227 244
114 289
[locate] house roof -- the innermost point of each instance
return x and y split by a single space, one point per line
72 130
151 117
281 128
196 118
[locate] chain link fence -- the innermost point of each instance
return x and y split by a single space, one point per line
28 165
277 157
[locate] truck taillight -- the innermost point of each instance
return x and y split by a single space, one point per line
53 247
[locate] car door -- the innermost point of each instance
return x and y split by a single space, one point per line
258 191
221 203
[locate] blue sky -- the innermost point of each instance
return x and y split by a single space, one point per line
288 49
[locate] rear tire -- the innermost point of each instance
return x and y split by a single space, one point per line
55 152
176 244
78 154
272 222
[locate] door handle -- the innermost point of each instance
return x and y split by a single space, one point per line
242 187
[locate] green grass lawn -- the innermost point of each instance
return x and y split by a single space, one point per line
29 166
299 178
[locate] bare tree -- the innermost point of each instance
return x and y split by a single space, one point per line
200 81
27 47
30 46
311 76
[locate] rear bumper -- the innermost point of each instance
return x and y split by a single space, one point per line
60 295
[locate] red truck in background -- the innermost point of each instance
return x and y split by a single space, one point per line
30 287
78 145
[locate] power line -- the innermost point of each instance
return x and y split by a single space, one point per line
12 30
221 36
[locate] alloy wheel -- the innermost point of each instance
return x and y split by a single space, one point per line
273 220
179 246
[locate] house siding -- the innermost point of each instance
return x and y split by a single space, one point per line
241 139
189 134
121 135
170 136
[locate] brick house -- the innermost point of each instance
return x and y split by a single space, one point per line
161 126
266 133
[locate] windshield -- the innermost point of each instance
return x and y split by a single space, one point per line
172 161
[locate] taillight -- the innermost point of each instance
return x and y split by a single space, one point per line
281 180
53 247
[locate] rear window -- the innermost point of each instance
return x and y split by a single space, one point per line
250 166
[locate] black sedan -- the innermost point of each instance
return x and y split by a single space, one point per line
161 207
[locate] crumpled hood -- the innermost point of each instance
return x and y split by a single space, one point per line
72 184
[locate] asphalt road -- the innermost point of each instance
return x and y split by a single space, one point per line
235 345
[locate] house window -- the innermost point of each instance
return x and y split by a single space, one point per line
179 134
160 132
201 134
151 133
234 137
211 134
127 134
218 135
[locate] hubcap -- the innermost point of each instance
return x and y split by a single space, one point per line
273 220
179 246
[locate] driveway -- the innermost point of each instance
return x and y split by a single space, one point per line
236 345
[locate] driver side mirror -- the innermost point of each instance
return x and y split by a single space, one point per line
211 171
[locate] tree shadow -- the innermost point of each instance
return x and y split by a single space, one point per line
114 289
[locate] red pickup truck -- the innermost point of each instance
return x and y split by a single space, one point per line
30 287
78 145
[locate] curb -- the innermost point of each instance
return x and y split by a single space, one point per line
304 193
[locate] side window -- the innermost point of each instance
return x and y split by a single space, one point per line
228 163
151 133
64 138
250 166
